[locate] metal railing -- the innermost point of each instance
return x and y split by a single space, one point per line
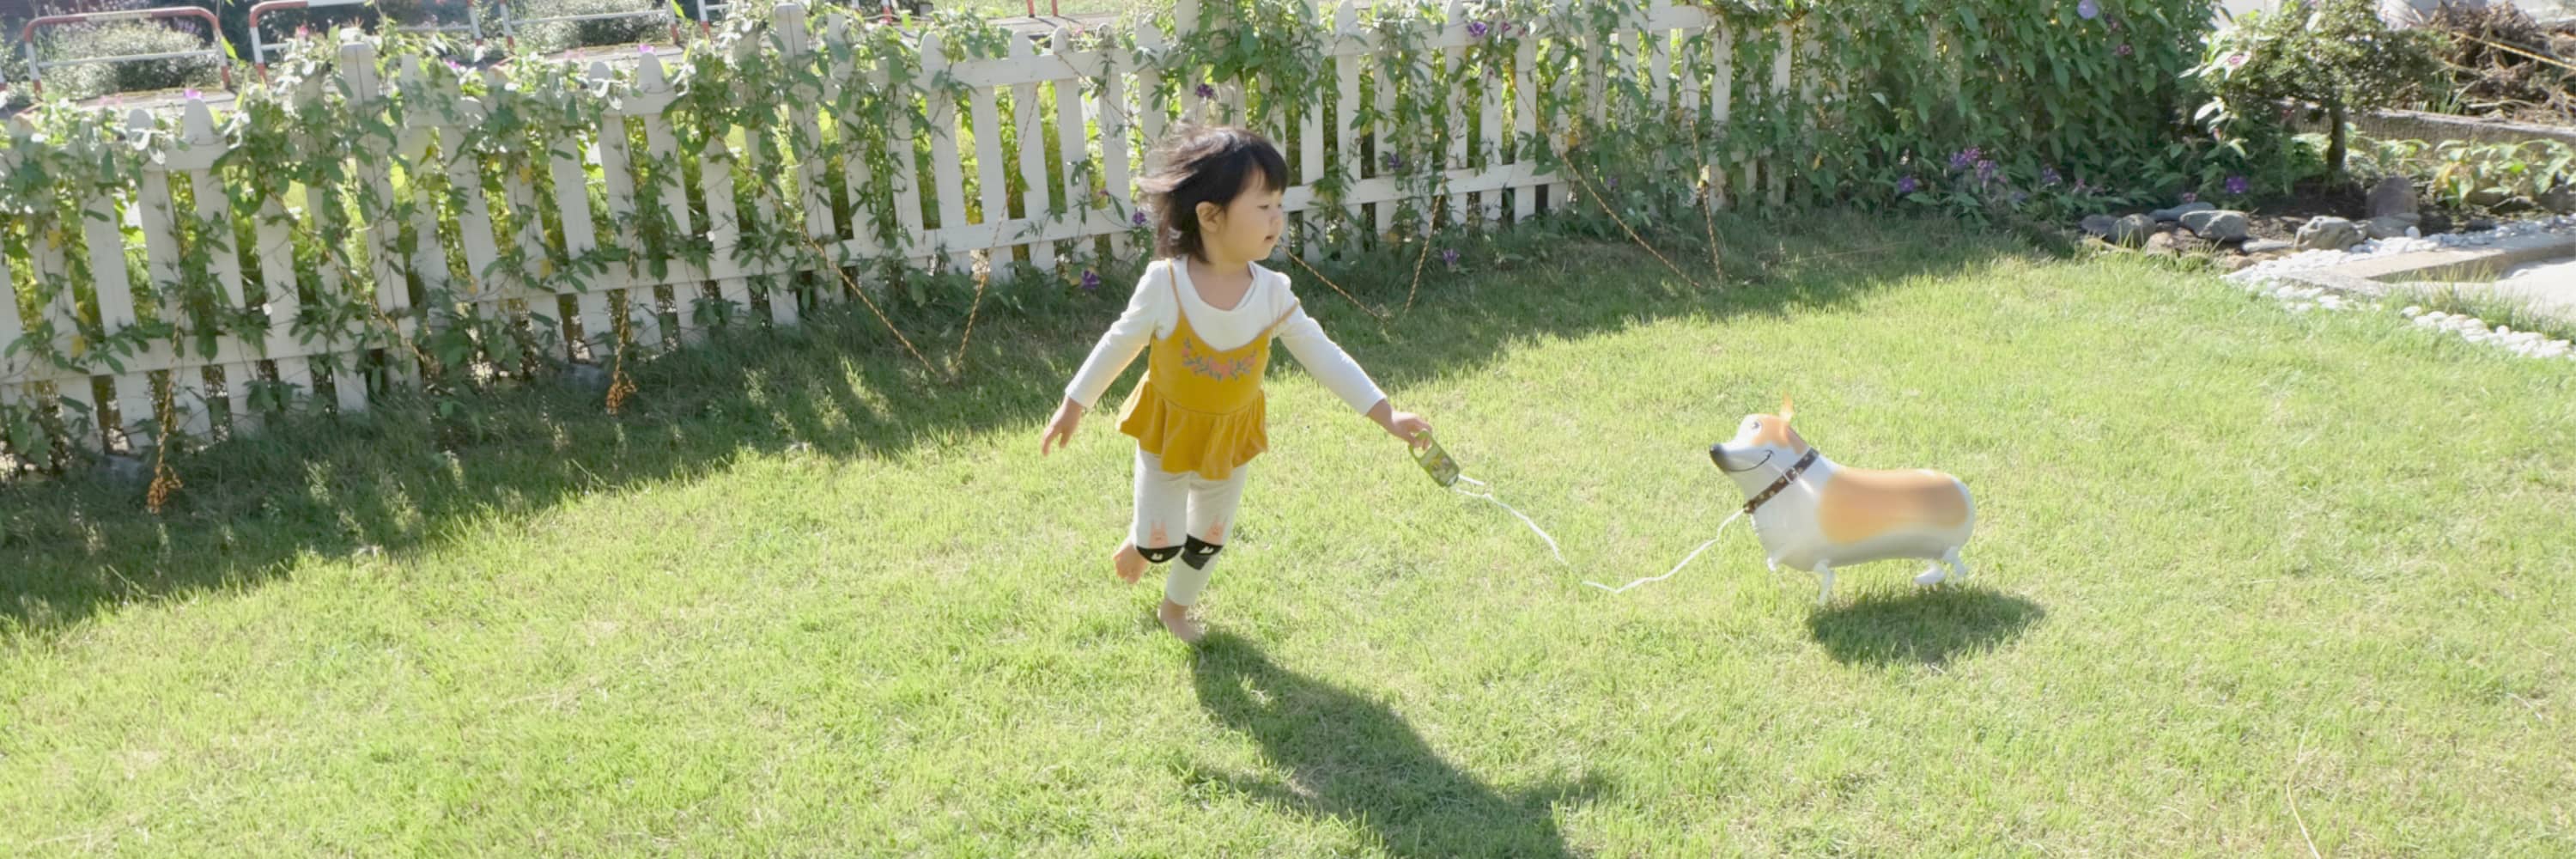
36 65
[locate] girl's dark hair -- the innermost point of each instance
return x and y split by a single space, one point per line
1205 165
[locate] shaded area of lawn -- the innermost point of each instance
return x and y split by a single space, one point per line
397 479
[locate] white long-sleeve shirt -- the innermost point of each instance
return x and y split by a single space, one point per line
1157 307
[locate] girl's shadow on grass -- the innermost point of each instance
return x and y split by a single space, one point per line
1354 759
1928 626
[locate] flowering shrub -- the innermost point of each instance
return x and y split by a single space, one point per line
2335 54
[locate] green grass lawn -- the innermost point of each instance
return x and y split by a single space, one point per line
2246 580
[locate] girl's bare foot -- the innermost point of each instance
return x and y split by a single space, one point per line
1176 618
1129 563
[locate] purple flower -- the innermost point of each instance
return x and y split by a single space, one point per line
2189 197
1449 257
2088 9
1476 29
1139 219
1090 280
2048 177
1207 91
2125 50
2237 60
2020 197
646 50
193 95
1612 182
2081 188
2237 184
1961 159
1907 185
1985 171
1394 161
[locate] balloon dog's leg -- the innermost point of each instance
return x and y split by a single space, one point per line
1957 567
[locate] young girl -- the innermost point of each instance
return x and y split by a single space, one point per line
1207 313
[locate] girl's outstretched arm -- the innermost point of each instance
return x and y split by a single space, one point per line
1329 364
1109 358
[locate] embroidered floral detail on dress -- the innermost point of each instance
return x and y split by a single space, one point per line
1212 365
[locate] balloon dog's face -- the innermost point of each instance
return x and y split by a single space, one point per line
1761 440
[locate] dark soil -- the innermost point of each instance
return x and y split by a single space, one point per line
2280 218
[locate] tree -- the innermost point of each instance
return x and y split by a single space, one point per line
2336 54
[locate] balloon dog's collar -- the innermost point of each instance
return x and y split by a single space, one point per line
1786 477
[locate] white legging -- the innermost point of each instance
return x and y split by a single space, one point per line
1205 508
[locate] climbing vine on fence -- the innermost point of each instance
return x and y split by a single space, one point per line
1979 107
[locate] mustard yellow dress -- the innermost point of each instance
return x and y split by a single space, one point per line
1201 408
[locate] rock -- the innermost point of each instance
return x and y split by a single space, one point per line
2099 226
2217 225
2486 198
2479 225
2394 195
2161 241
123 469
2176 213
2132 231
2515 205
588 377
2326 233
2389 226
2266 246
2560 200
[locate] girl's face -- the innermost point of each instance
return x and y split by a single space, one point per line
1247 228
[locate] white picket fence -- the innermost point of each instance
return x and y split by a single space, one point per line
1053 225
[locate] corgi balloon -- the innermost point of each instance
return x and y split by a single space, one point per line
1812 514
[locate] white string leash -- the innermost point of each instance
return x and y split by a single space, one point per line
1525 519
1721 532
1552 548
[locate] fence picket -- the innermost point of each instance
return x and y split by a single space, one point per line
651 96
947 175
993 191
1346 134
105 243
1771 158
157 215
75 392
1110 105
1525 137
198 146
1721 93
1035 198
1073 149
